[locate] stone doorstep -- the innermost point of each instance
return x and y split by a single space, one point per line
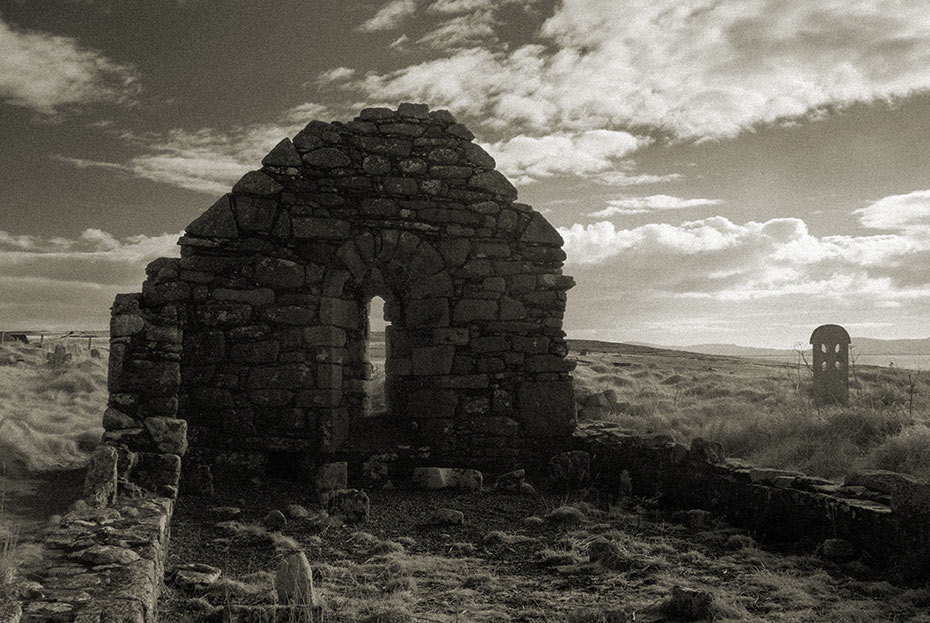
103 564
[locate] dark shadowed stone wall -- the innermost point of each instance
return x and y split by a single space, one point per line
256 339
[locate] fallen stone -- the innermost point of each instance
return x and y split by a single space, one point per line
690 604
432 478
351 505
293 580
511 481
226 511
447 517
570 470
296 511
194 577
837 549
275 520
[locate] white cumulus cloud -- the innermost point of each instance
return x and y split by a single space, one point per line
49 73
695 69
525 158
390 16
652 203
898 212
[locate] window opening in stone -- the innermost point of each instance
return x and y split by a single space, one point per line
377 354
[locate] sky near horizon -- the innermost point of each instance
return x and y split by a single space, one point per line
729 171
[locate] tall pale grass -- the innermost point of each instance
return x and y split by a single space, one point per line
762 413
49 417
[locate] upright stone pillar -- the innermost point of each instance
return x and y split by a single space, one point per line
831 364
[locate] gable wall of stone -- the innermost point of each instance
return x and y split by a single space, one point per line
272 290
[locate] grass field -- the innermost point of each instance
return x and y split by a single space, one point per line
761 411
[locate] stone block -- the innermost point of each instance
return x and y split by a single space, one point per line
432 478
284 154
254 214
413 111
257 183
216 222
570 470
547 409
881 480
494 182
113 419
319 227
478 156
339 313
540 231
447 517
325 336
255 352
470 310
327 158
277 273
690 604
351 505
100 479
331 476
427 313
432 403
333 428
432 360
257 297
455 336
168 434
497 426
385 146
122 325
531 345
911 500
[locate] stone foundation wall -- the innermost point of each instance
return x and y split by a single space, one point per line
884 516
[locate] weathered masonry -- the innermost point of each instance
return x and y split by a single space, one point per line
830 343
253 346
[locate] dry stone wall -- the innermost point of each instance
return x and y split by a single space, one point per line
254 343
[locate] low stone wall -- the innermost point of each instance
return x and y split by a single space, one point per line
883 515
101 565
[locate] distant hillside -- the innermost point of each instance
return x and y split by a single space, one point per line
861 345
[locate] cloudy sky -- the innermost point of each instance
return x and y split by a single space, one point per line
721 170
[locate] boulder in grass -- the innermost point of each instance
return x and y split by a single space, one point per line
275 520
690 604
351 505
570 470
447 517
432 478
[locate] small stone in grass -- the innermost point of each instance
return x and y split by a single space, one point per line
296 511
447 517
275 520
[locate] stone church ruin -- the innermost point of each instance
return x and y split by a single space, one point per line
251 350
